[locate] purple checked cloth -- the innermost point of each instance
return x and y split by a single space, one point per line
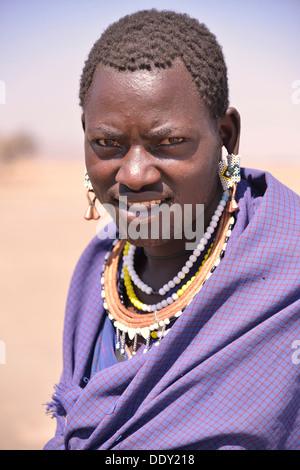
227 375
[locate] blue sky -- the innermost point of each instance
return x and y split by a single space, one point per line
43 45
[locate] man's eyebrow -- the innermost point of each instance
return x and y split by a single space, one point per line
106 131
162 131
159 132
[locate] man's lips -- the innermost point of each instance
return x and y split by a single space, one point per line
140 207
139 204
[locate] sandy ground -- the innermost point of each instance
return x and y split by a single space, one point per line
42 235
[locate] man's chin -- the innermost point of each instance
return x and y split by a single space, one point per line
142 243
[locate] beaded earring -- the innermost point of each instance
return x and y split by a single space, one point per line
230 176
91 212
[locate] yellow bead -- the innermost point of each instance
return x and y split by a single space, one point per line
154 334
130 289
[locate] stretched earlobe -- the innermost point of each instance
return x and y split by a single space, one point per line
91 212
229 130
83 122
230 176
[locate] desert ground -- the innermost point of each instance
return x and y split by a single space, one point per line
43 233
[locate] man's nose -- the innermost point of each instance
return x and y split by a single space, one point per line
137 169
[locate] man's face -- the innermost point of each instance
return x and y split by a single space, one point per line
148 137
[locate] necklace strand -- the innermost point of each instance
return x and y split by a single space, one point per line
167 301
128 258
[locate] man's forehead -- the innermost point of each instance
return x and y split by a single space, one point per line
172 83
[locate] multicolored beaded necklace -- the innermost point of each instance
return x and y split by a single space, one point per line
152 323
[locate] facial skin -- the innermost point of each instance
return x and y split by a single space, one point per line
148 136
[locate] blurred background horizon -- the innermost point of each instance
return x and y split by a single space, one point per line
43 46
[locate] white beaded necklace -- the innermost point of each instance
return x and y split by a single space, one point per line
128 261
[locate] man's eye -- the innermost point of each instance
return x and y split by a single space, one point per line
108 143
172 141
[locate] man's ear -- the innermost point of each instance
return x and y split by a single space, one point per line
83 122
229 130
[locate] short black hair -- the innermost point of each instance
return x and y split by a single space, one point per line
151 39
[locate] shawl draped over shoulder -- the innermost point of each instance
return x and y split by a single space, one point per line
227 375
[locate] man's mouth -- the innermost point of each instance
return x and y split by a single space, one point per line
144 204
139 206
